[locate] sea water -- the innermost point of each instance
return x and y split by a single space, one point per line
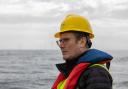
35 69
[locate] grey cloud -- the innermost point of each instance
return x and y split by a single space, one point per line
102 10
119 14
48 17
18 19
99 12
89 11
12 19
56 1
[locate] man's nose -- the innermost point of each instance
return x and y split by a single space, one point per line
62 45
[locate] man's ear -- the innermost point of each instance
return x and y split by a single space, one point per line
83 42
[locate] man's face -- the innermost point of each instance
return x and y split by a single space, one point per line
69 46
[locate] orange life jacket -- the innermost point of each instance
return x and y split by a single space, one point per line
71 81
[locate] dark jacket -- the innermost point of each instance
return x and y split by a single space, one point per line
95 77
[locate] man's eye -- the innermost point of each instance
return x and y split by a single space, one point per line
64 40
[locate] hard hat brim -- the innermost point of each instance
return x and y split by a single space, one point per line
57 35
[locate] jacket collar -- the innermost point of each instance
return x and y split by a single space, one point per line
95 56
90 56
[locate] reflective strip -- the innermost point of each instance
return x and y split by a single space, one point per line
101 65
61 85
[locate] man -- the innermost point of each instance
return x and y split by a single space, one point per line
84 68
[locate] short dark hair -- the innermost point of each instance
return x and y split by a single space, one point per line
79 35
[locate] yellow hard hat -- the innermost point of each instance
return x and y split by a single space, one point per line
75 23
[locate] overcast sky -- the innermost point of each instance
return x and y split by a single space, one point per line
31 24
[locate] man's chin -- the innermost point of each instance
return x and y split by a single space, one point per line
65 58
